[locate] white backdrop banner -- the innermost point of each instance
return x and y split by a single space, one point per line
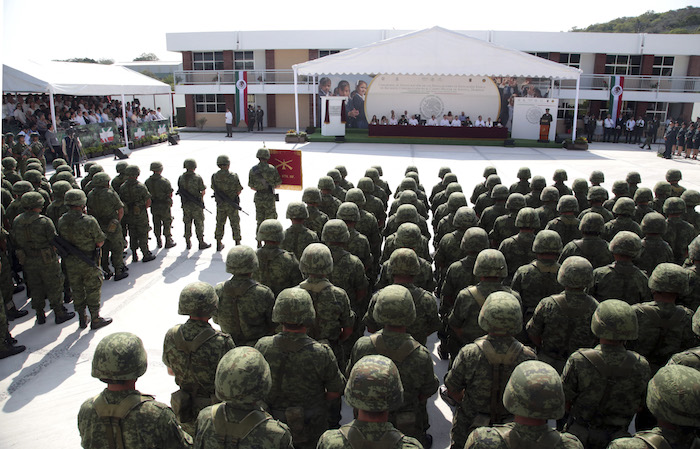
331 108
526 117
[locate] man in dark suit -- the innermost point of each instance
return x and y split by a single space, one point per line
251 118
259 114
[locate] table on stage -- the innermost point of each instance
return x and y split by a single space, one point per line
456 132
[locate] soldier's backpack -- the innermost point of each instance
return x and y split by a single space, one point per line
357 440
660 354
229 433
548 440
113 414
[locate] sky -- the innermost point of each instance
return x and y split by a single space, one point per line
122 30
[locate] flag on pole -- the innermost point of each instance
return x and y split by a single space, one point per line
288 165
241 97
617 84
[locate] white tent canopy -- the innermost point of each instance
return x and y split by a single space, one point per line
437 51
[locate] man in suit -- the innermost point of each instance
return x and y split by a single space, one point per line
259 114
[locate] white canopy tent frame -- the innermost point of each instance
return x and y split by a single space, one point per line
436 52
80 79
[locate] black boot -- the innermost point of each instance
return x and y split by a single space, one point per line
11 350
121 275
108 274
219 245
40 317
61 315
99 322
169 243
82 320
15 313
148 257
203 244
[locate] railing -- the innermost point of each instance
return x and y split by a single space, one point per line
199 77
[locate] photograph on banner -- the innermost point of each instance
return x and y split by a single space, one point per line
288 165
352 86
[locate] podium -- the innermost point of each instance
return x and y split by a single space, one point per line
333 111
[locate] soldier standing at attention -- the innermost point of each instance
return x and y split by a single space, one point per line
37 149
121 177
192 351
161 201
245 305
297 237
691 357
264 179
316 219
591 246
622 279
279 269
84 233
191 190
137 200
374 387
226 187
243 381
121 414
33 234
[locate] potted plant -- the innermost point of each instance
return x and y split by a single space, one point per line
580 144
201 122
293 137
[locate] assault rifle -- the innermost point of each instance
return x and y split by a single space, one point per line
219 195
66 248
188 197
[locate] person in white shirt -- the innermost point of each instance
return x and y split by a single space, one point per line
413 121
229 123
456 122
488 123
78 118
432 121
479 123
20 116
393 120
629 130
608 128
444 121
92 118
159 116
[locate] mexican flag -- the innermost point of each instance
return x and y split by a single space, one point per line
241 98
617 84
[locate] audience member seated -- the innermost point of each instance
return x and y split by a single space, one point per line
444 121
403 121
488 123
456 122
432 121
374 120
392 119
384 120
413 121
479 123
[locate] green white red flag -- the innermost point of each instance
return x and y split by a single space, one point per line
617 84
241 96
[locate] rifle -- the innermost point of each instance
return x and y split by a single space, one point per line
227 199
187 196
66 248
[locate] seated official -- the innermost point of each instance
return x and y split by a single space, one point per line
456 122
393 120
488 123
479 123
413 121
403 121
444 121
432 122
468 122
384 120
374 120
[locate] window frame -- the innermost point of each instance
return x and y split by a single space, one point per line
209 103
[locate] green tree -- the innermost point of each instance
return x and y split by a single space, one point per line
105 61
147 57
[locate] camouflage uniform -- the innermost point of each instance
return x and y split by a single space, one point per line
264 179
692 199
672 177
438 203
517 251
620 190
642 207
367 225
161 203
409 197
488 217
566 225
481 187
523 185
532 199
504 226
408 235
591 246
338 191
623 210
407 213
136 199
57 208
622 279
484 200
440 186
679 233
449 250
424 279
103 203
227 183
559 177
191 212
460 274
279 269
662 191
548 210
9 170
329 204
692 299
580 189
316 218
690 357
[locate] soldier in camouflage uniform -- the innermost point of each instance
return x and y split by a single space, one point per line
624 211
559 177
104 204
566 224
8 346
445 226
580 189
226 187
20 151
367 225
9 170
95 169
120 413
161 202
442 196
329 203
523 185
655 249
358 244
89 173
344 183
374 387
620 190
279 269
481 187
679 233
504 226
264 179
245 305
15 208
484 200
561 323
191 211
596 196
633 178
409 197
591 246
394 310
534 394
499 195
242 381
548 210
64 173
692 299
338 191
662 191
477 379
120 179
137 200
605 386
32 235
305 373
440 186
34 178
374 174
407 213
674 400
57 208
373 205
673 175
191 352
83 231
642 197
449 250
538 184
691 357
298 236
622 279
316 218
411 185
692 199
517 250
597 178
408 235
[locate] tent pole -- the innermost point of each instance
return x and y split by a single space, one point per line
551 88
313 95
52 105
573 129
126 137
296 101
172 108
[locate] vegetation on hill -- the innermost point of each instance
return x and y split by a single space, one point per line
679 21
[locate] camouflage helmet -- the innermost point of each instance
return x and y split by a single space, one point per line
156 166
335 231
222 160
669 278
474 240
490 263
626 243
404 262
263 153
356 196
132 171
443 171
88 165
95 168
592 223
394 306
465 218
60 188
534 390
119 356
560 175
348 212
326 183
515 202
35 166
408 197
597 177
501 313
452 188
643 195
189 164
297 210
567 203
691 198
243 377
380 172
524 173
696 323
414 175
374 385
580 186
449 178
694 250
270 230
615 320
597 194
549 195
408 235
673 395
489 170
527 218
64 168
294 306
455 201
65 176
33 176
653 223
620 188
121 165
673 175
58 162
21 187
372 173
316 259
75 197
538 183
311 195
32 200
241 260
624 206
575 272
407 213
101 179
343 171
500 192
633 177
492 181
547 241
408 184
662 189
9 163
672 206
366 185
335 175
198 299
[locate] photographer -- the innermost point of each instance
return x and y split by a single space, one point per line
72 150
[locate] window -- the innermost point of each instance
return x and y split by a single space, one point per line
208 60
543 55
322 53
663 66
243 60
657 110
570 59
209 103
623 64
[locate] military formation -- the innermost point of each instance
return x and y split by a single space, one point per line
549 302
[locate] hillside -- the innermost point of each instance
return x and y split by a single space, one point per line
679 21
